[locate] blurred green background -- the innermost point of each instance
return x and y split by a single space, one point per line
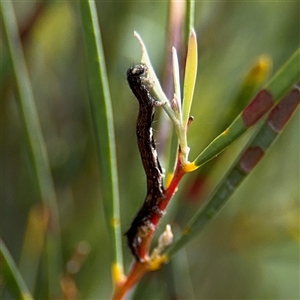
251 250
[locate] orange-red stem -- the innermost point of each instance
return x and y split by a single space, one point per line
139 269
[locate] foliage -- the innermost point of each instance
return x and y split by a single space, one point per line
254 239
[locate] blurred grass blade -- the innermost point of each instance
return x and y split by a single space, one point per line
182 269
253 80
242 167
11 275
100 103
280 83
36 145
33 245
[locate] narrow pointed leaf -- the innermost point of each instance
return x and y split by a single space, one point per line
35 233
35 142
102 117
280 83
242 167
190 77
253 80
11 275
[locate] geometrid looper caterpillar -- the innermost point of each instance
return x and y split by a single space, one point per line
136 77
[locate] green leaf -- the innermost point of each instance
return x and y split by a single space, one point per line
270 94
35 143
241 168
190 77
102 117
12 276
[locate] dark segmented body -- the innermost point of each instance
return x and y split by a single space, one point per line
155 191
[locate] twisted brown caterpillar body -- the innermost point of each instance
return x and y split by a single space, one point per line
155 191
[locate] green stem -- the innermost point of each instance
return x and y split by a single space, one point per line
189 24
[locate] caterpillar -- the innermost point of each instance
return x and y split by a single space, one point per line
136 77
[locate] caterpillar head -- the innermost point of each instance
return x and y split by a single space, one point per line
137 70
